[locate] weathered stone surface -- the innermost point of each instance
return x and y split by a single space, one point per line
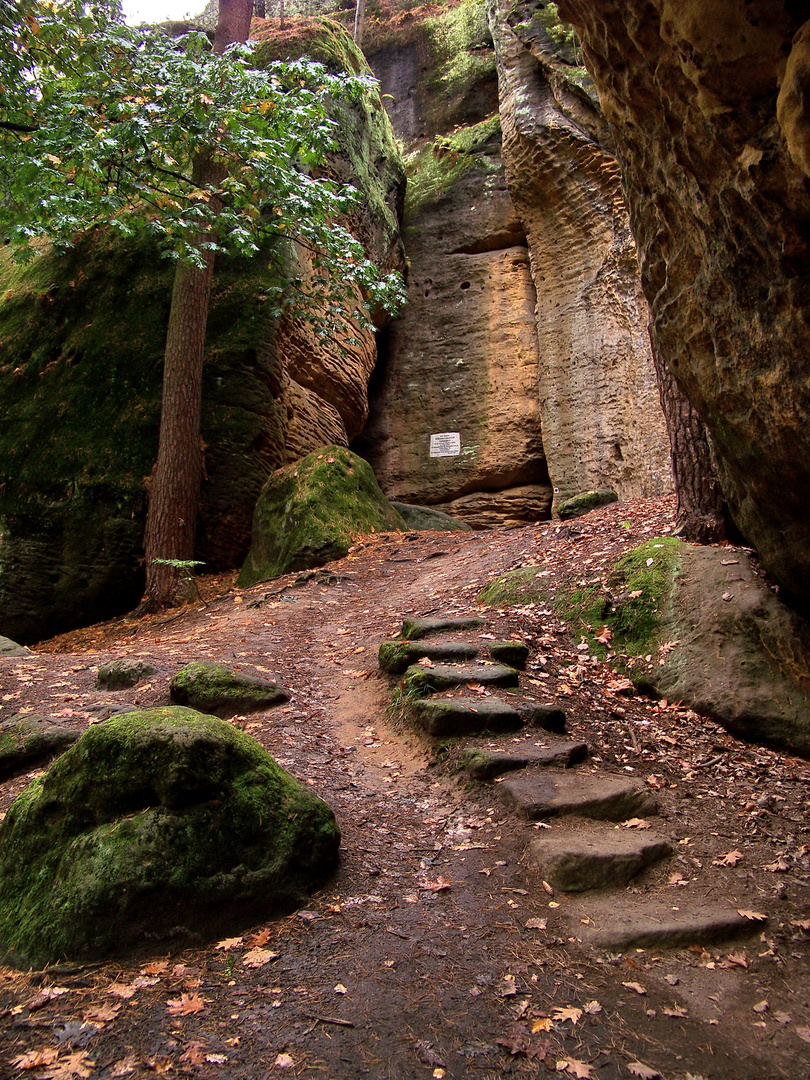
121 674
549 794
739 655
548 715
159 824
600 414
428 518
27 739
584 503
578 861
438 677
11 648
632 924
72 504
308 514
513 653
218 689
510 508
487 764
714 170
395 656
416 628
450 716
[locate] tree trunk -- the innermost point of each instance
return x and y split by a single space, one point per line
260 9
702 513
359 21
174 491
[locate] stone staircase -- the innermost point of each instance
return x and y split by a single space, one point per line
447 682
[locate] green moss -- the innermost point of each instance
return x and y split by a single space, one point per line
462 49
640 587
309 513
215 688
395 656
544 21
433 169
151 819
521 586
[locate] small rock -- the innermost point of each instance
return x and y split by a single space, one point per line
122 674
11 648
419 628
217 689
424 680
27 739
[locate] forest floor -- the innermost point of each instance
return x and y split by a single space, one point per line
435 950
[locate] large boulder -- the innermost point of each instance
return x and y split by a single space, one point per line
82 337
161 824
218 689
308 514
706 101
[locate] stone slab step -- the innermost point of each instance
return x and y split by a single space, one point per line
451 716
397 656
576 861
430 680
419 628
543 794
487 764
652 924
513 653
547 715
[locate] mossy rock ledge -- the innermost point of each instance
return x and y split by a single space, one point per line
158 825
216 688
308 514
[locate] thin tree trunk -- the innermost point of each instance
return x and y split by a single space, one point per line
702 513
359 21
174 492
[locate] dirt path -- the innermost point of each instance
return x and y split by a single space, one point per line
435 951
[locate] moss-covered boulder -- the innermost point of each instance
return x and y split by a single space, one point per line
308 514
428 519
161 824
585 502
218 689
27 739
121 674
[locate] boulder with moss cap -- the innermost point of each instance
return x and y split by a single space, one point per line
164 824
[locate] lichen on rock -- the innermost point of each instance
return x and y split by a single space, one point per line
161 824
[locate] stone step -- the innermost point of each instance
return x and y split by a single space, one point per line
634 923
513 653
547 715
543 794
419 628
430 680
397 656
487 764
452 716
576 861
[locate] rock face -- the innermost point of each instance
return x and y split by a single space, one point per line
600 413
216 688
706 103
308 514
168 817
81 346
526 311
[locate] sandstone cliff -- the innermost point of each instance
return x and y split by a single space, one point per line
81 347
707 104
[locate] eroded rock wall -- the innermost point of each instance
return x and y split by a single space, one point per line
600 412
706 103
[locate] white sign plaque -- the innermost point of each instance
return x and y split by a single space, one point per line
445 444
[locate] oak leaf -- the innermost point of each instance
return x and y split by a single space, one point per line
642 1071
573 1067
570 1012
185 1005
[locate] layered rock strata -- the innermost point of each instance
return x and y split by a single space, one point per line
706 104
600 413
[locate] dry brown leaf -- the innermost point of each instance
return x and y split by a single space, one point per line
545 1023
644 1072
573 1067
340 989
547 888
801 924
761 1006
229 943
34 1059
569 1012
194 1054
593 1008
778 867
439 885
125 1066
803 1033
731 858
258 941
636 823
284 1061
102 1014
639 989
78 1064
738 959
185 1005
257 958
536 924
157 967
754 916
677 1011
121 990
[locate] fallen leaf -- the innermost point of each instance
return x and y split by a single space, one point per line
284 1061
639 989
803 1033
158 967
738 959
143 982
570 1012
592 1008
547 888
259 940
102 1014
644 1072
125 1066
426 1054
636 823
121 990
580 1069
340 989
677 1011
754 916
78 1064
256 958
509 989
802 924
185 1005
34 1059
216 1059
778 867
229 943
731 858
761 1007
545 1023
194 1054
439 885
536 924
783 1018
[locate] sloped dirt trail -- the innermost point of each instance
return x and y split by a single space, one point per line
436 951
